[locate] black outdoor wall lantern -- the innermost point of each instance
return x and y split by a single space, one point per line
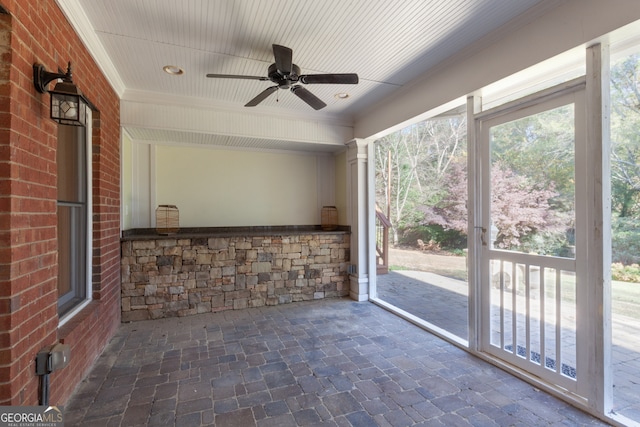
68 105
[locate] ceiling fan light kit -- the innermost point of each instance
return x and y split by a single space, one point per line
286 75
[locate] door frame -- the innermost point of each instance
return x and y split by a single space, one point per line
571 92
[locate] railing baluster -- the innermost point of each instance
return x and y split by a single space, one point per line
382 242
550 324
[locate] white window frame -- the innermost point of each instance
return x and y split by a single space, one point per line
89 243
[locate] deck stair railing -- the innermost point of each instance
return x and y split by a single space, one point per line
382 242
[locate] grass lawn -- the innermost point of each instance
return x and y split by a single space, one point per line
625 296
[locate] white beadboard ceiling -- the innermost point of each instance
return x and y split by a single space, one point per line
388 43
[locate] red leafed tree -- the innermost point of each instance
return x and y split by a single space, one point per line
519 208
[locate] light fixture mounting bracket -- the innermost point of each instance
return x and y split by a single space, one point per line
42 77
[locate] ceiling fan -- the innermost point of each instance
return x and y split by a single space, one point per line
286 75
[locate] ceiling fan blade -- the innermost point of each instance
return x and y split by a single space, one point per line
330 78
302 93
261 96
234 76
284 59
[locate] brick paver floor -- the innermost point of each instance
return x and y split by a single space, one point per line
443 302
331 362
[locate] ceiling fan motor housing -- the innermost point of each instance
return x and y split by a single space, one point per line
283 81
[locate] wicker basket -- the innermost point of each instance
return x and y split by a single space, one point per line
167 219
329 218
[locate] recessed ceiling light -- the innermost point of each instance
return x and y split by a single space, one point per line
174 70
341 95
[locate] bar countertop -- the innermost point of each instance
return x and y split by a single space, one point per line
208 232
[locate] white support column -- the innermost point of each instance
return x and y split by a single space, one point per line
358 215
371 219
474 220
597 308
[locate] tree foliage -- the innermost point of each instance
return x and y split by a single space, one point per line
625 138
519 208
411 165
546 138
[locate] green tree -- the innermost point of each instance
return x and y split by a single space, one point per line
542 148
625 137
397 179
411 165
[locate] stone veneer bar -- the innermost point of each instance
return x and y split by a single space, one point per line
212 269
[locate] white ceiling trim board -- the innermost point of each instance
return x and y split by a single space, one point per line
225 122
304 113
81 24
266 147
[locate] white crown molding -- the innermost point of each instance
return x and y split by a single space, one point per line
157 98
224 121
300 149
74 13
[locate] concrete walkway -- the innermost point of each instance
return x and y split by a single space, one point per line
331 362
443 302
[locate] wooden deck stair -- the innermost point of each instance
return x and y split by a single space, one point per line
382 242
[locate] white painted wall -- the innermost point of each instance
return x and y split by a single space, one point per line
215 187
142 198
220 188
341 187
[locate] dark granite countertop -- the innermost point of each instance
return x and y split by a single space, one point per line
186 233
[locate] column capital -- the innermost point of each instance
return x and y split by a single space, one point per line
358 148
360 142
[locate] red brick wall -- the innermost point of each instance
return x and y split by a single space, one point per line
37 31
